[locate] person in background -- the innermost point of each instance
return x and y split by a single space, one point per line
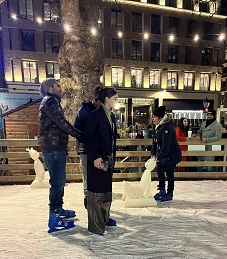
148 134
53 139
99 140
166 152
139 134
181 133
80 121
210 131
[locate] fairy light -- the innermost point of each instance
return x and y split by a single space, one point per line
67 27
196 38
93 31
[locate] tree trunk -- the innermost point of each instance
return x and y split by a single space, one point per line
81 58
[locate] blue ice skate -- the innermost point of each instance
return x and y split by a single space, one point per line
56 223
111 223
160 194
167 197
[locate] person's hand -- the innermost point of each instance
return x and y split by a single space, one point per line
204 140
97 162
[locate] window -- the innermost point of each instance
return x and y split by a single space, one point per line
154 79
116 20
189 55
136 77
155 24
51 42
172 53
29 71
191 26
27 40
117 77
187 4
204 82
173 25
188 80
136 50
52 70
171 80
117 49
207 30
155 52
136 22
206 56
204 7
48 14
171 3
26 9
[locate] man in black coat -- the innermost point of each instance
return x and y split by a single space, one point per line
53 139
166 152
80 121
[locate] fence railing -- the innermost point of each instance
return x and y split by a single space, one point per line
16 167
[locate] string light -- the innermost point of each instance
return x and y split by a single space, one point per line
146 36
120 34
93 31
14 16
67 28
196 38
171 37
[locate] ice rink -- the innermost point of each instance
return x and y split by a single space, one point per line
194 225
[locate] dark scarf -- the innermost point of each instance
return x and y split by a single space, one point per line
209 122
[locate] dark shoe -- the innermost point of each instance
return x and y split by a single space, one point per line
160 194
167 197
56 223
85 203
111 223
66 213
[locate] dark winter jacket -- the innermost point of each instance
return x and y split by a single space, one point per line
54 128
165 146
99 139
80 121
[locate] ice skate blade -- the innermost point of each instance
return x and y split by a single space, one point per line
53 230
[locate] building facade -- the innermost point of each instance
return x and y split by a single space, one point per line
156 51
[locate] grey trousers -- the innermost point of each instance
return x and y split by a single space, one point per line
83 171
98 211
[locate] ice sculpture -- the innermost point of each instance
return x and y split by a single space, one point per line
42 176
137 195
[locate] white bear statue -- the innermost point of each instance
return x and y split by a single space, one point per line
42 176
137 195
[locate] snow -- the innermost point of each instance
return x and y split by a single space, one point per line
194 225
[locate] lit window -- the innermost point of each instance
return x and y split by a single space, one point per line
52 70
117 77
29 69
154 79
204 82
136 78
26 9
188 80
171 80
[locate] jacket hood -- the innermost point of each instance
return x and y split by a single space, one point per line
88 105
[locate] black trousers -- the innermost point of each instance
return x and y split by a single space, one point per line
98 206
169 169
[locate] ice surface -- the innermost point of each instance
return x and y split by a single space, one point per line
194 225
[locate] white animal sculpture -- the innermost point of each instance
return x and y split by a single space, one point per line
137 195
42 176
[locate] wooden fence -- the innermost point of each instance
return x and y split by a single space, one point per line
131 156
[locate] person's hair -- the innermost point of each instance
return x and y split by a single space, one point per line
106 92
97 92
180 124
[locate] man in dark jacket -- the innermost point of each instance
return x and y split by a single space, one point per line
80 122
53 139
166 152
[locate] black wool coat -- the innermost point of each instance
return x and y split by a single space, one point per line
99 139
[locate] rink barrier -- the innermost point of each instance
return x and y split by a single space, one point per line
129 164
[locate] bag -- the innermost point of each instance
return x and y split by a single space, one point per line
107 163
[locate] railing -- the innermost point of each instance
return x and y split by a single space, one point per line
131 156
